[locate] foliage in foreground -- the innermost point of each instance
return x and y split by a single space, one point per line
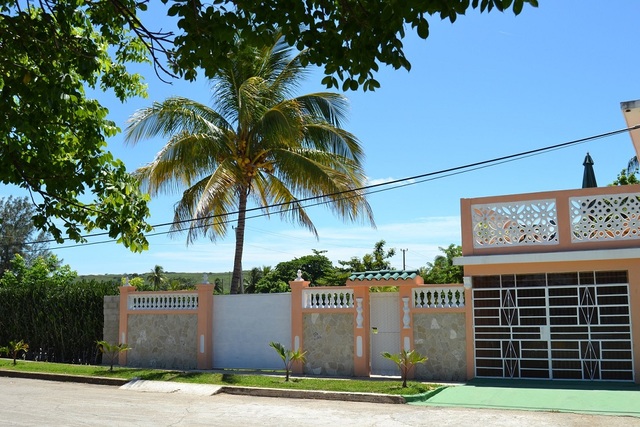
406 361
112 351
273 379
52 133
333 31
289 357
14 348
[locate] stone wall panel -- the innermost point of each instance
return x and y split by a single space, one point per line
328 341
442 338
163 341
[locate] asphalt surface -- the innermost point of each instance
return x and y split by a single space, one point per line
31 402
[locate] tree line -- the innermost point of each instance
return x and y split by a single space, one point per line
320 271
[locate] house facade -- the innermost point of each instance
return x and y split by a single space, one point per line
555 284
555 281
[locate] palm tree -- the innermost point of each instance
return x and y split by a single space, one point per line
157 278
632 167
257 143
289 357
406 361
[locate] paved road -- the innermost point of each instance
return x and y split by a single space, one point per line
26 402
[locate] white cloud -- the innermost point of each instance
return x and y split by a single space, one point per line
380 181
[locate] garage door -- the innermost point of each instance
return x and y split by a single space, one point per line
553 326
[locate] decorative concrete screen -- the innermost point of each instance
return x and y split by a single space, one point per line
517 223
605 217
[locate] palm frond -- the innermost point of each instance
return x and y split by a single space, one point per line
330 107
633 165
174 115
270 191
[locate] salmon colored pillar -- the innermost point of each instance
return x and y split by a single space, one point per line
205 326
361 337
297 341
634 303
468 318
406 319
405 292
124 320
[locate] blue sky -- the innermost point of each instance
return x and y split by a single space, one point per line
487 86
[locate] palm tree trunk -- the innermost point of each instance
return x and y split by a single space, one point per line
236 278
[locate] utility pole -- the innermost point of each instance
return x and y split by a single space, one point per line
403 257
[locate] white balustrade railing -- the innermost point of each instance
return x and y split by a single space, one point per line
327 298
436 297
163 301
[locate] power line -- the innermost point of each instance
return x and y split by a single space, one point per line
368 189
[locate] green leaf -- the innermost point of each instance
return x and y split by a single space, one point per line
423 28
517 6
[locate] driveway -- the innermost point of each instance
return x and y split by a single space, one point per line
589 397
28 402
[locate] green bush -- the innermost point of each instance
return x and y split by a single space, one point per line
60 319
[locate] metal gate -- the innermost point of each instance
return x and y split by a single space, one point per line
385 331
555 326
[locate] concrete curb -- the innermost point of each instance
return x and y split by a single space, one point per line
64 378
209 389
422 397
314 394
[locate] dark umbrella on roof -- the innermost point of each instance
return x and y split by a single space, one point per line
589 176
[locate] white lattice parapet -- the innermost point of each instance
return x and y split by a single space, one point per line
515 224
434 297
606 217
325 298
163 301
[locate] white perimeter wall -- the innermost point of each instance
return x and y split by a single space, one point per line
243 326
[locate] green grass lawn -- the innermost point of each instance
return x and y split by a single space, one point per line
272 379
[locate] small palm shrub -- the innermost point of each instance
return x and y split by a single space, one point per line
289 357
405 360
111 351
14 348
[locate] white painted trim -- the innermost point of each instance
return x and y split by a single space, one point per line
597 255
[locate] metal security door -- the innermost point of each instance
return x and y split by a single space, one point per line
553 326
385 331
